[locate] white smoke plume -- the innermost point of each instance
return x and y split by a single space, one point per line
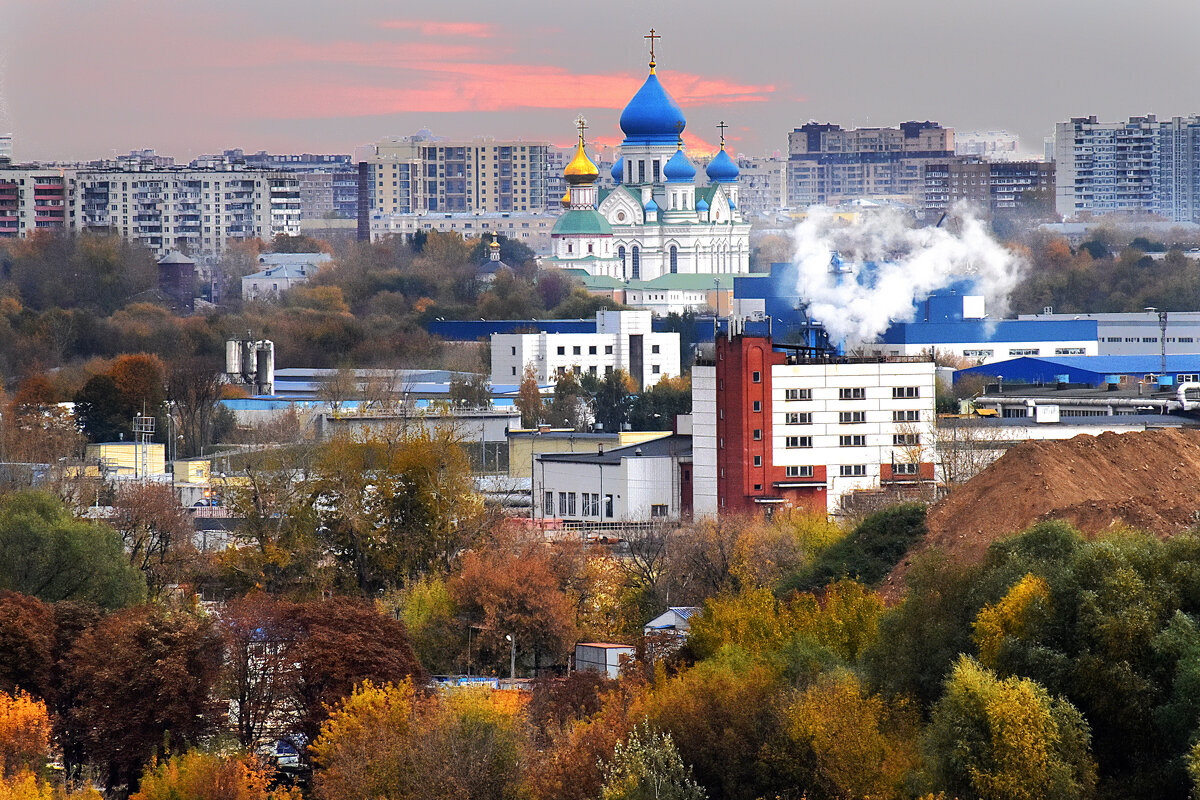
889 265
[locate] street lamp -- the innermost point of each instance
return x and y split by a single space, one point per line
512 658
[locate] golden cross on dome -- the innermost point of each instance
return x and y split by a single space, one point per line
652 37
722 126
581 123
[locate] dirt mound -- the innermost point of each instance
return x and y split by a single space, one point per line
1149 481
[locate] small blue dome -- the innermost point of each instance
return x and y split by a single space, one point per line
618 170
652 117
722 169
652 206
679 169
702 204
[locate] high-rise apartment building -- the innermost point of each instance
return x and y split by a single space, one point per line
829 165
164 208
6 147
762 185
419 174
1142 166
990 186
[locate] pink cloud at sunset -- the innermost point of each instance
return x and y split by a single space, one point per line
475 30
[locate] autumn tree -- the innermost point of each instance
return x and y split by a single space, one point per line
27 653
159 668
24 734
53 556
196 775
513 590
389 742
140 379
646 766
258 633
529 398
339 644
1006 738
655 408
194 389
155 531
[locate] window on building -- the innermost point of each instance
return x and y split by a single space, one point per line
608 349
978 353
570 504
548 504
621 255
757 406
797 394
855 393
608 505
798 472
906 416
654 348
591 350
576 350
906 439
1188 377
851 417
857 440
852 470
905 392
758 461
655 369
562 504
794 442
904 469
658 510
641 171
1069 351
1024 351
797 418
758 434
562 351
636 263
756 377
514 370
674 254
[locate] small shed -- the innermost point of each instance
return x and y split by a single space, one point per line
602 657
672 621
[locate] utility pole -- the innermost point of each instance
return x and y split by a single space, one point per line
512 658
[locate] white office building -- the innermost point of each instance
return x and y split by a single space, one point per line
623 340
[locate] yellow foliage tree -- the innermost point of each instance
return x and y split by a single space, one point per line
205 776
1025 603
857 745
26 785
24 733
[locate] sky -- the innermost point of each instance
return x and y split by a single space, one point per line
85 79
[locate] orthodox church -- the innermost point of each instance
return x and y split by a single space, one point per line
658 220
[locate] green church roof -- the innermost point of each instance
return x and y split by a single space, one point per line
582 222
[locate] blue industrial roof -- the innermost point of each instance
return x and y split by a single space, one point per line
1083 369
984 331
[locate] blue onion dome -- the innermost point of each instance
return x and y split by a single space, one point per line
652 116
722 169
618 170
679 169
702 205
651 205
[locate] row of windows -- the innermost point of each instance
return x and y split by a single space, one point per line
850 440
844 417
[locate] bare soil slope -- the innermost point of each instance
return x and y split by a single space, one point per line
1149 481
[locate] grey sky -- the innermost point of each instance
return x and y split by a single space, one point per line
85 78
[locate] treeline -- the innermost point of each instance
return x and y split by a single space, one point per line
1102 276
66 299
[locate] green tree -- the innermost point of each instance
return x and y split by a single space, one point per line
612 400
53 556
102 412
646 766
569 406
529 399
1006 739
655 408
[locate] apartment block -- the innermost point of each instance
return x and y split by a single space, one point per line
174 208
622 340
762 185
772 426
989 186
418 174
828 165
1105 168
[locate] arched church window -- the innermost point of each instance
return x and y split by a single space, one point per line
674 259
621 255
636 272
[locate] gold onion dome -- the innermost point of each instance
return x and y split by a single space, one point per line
581 170
566 200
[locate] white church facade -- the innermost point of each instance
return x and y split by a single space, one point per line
658 220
